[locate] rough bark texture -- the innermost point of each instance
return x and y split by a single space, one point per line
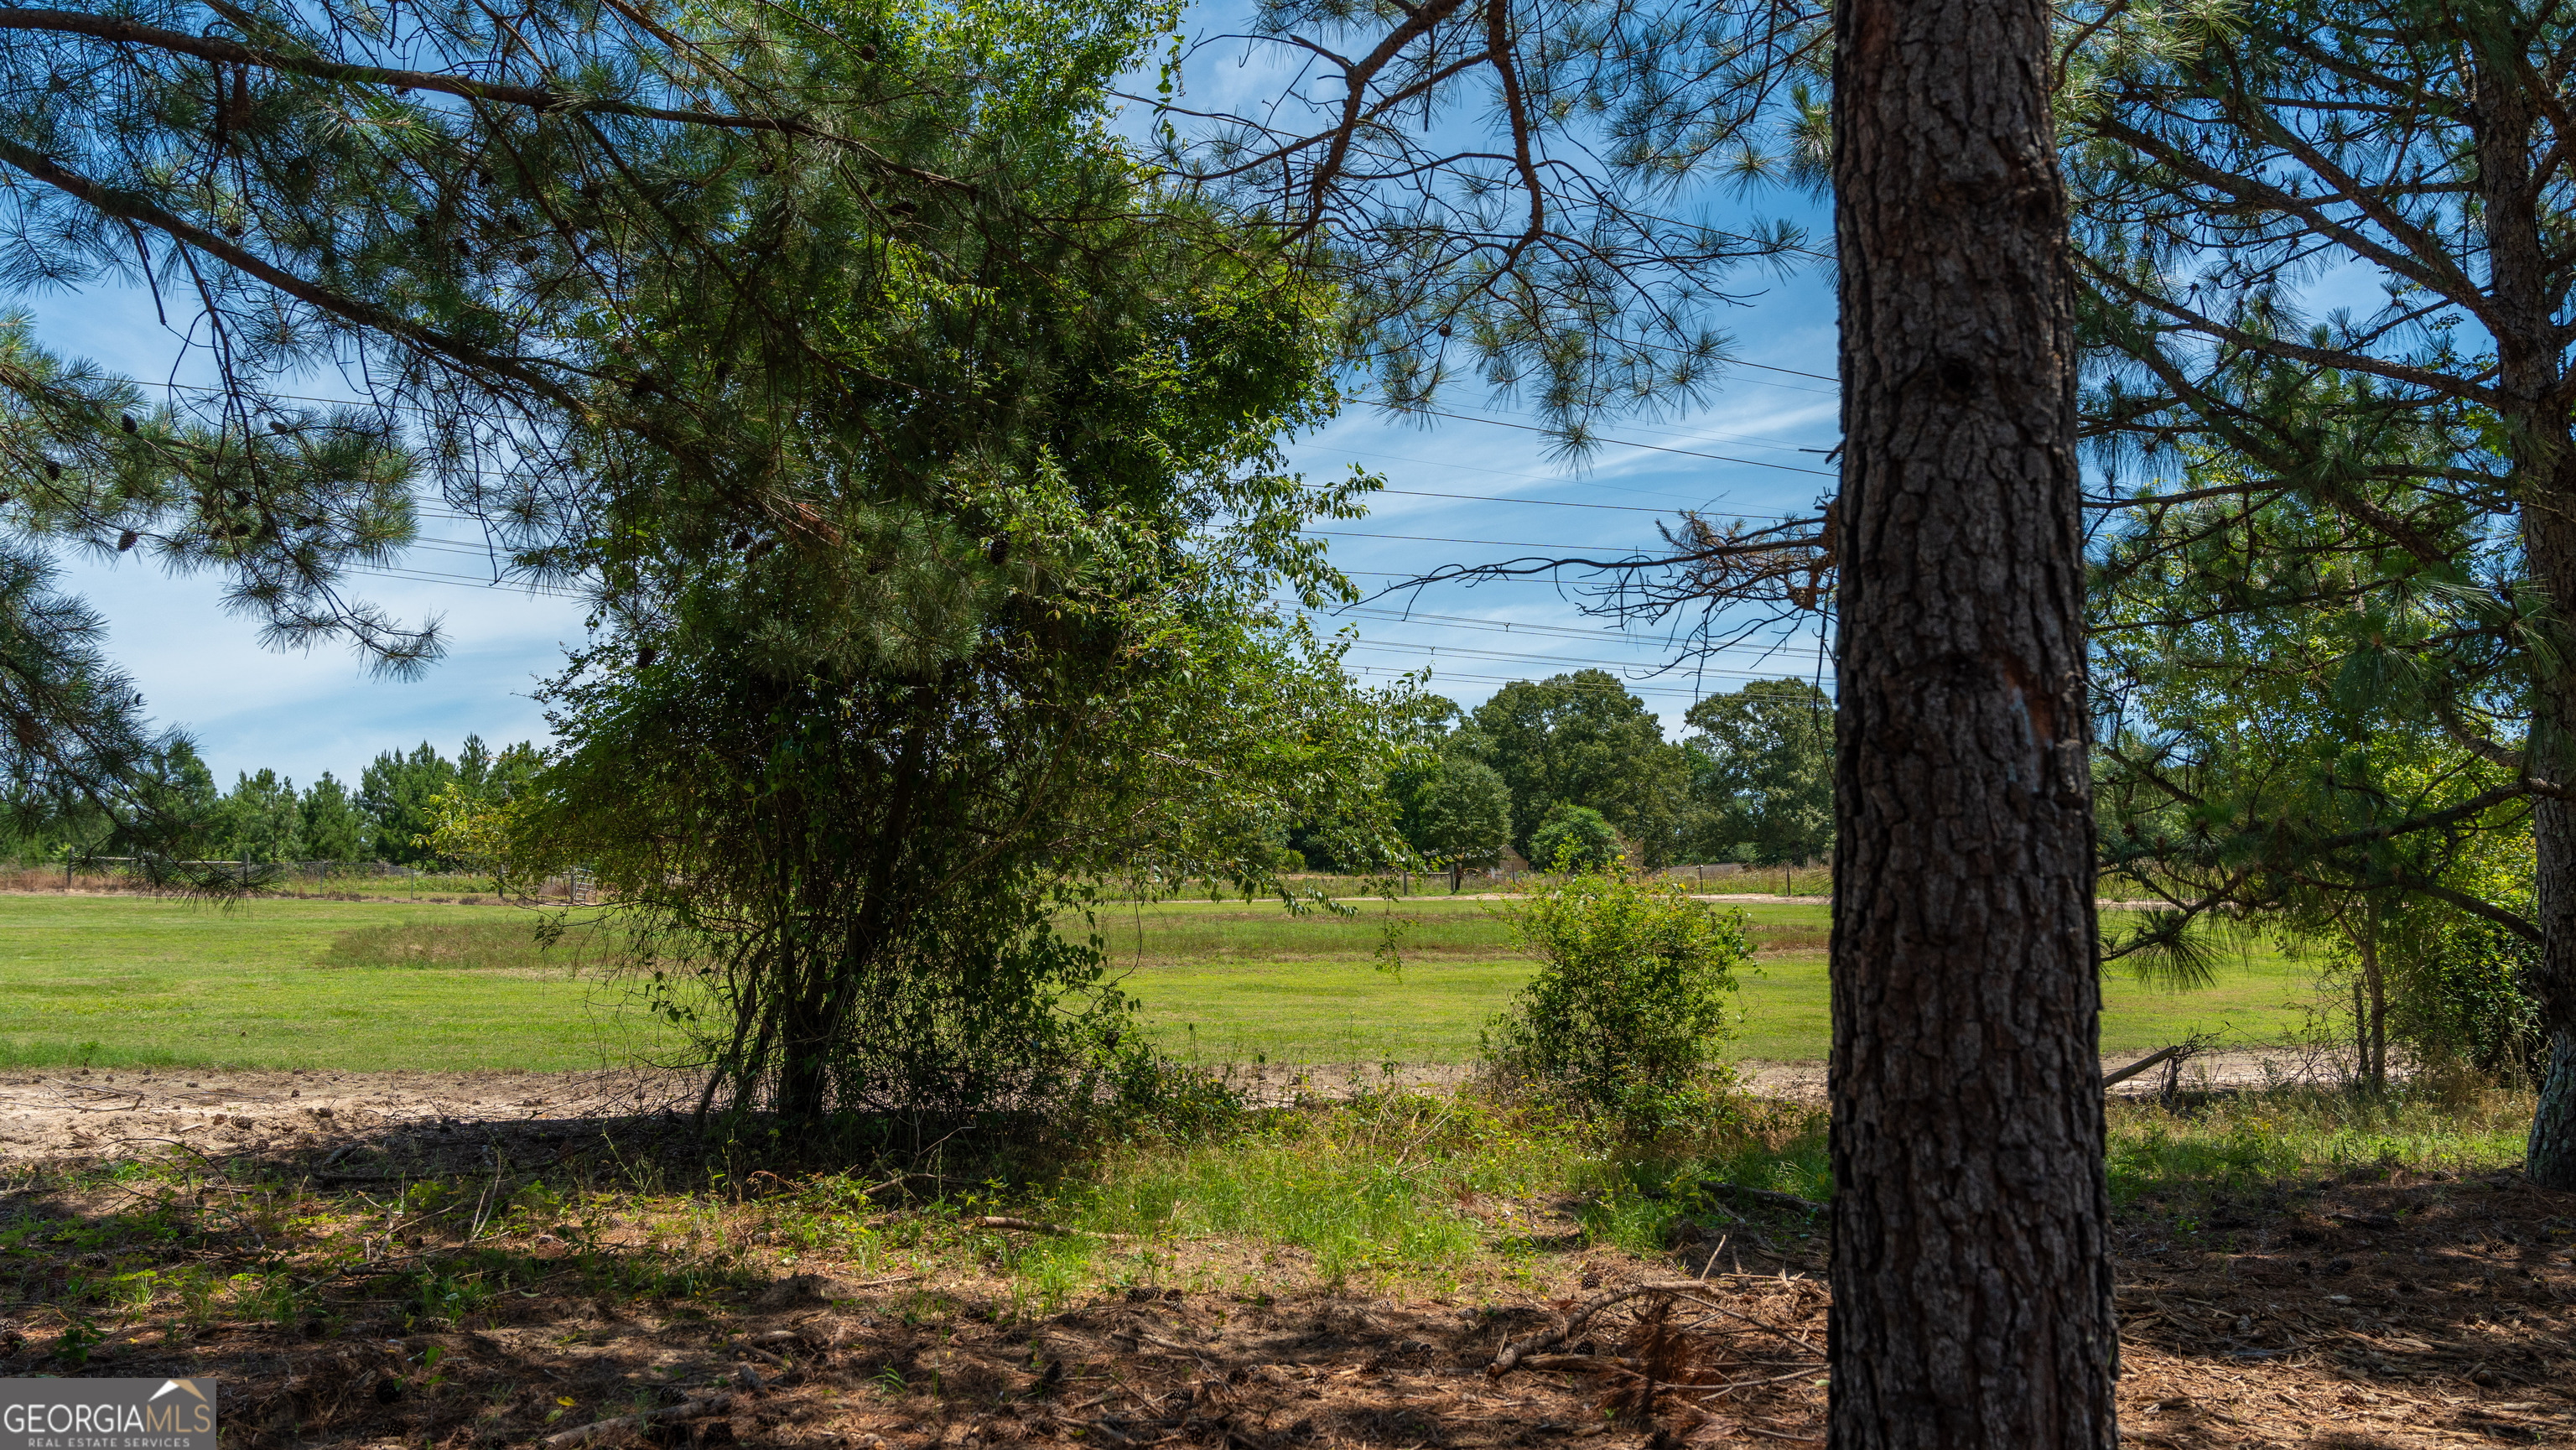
2550 1156
1971 1269
2529 364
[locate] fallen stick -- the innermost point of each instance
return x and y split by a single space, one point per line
1024 1225
1582 1363
1513 1354
583 1434
2112 1079
935 1180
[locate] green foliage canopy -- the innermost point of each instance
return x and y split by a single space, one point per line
1458 814
1583 739
1768 782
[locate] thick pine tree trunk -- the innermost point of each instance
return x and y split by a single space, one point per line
2529 360
1971 1269
2549 1157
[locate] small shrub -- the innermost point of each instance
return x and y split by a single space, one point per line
1629 1007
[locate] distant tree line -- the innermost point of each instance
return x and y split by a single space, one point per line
264 819
1579 762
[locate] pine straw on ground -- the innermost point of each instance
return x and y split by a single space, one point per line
2393 1311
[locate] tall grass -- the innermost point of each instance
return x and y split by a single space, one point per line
1394 1186
1398 1185
508 944
2291 1132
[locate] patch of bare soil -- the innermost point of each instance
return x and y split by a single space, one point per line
1804 1082
362 1121
2363 1316
2374 1312
388 1118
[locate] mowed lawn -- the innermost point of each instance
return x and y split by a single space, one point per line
1229 982
357 986
398 985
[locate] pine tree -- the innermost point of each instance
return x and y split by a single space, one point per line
1971 1215
394 793
334 828
2402 475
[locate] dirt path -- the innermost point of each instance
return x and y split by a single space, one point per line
68 1114
1804 1082
74 1113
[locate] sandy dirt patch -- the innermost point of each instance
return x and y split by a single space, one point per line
1804 1082
61 1114
352 1119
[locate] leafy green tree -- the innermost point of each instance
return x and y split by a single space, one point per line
1458 814
1583 740
446 206
1574 838
1768 782
2271 755
395 791
334 828
262 819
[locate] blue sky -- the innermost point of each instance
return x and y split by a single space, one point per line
301 713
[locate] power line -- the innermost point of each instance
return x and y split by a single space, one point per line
1676 430
1793 372
1687 504
1432 539
1625 687
1469 652
1434 412
1462 621
1632 443
428 577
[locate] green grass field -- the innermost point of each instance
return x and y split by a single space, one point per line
289 983
392 985
1230 982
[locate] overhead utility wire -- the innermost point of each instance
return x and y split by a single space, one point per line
1464 621
1633 443
1434 539
1468 417
1486 656
1433 412
1559 480
1634 689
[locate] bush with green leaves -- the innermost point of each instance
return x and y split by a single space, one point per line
2466 999
1629 1008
